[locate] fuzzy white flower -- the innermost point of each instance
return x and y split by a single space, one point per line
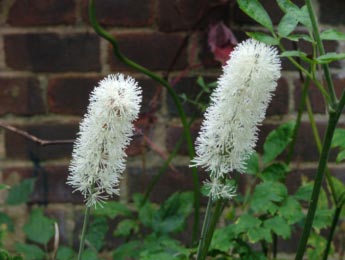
219 190
229 131
98 157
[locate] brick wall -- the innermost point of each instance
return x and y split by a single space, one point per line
50 59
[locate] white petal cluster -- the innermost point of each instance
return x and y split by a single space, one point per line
98 157
229 131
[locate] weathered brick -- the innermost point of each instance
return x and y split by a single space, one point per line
316 99
17 147
280 102
121 13
21 96
42 12
271 7
190 14
190 88
153 50
50 186
70 95
51 52
332 11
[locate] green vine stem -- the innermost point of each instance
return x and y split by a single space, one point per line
101 32
83 232
332 123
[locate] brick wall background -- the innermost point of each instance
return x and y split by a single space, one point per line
50 59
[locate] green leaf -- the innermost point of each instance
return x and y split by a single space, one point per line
126 251
297 37
246 222
275 172
279 226
222 239
65 253
146 213
173 213
322 219
338 138
7 221
252 164
332 34
257 234
4 187
291 210
304 192
125 227
317 245
97 231
263 37
30 252
304 18
330 57
277 141
112 209
287 6
266 196
256 11
287 24
89 254
39 229
301 15
302 55
340 156
20 193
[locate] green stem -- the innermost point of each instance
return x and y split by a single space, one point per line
83 233
332 123
316 33
204 229
101 32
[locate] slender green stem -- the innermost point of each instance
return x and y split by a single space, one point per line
204 229
332 123
83 232
316 33
100 31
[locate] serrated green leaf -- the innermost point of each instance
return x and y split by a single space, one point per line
274 172
291 210
252 164
277 141
30 252
304 192
39 228
96 232
330 57
340 156
332 34
20 193
263 37
279 226
129 250
257 234
112 209
125 227
322 219
338 139
65 253
267 195
256 11
7 221
222 239
287 24
172 214
246 222
317 245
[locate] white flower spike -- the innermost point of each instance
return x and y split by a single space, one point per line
229 131
98 157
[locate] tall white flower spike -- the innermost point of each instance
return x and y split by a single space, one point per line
98 157
229 131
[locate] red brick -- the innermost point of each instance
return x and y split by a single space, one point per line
127 13
21 96
153 50
42 12
332 12
51 52
70 95
316 99
280 101
50 184
189 14
17 147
